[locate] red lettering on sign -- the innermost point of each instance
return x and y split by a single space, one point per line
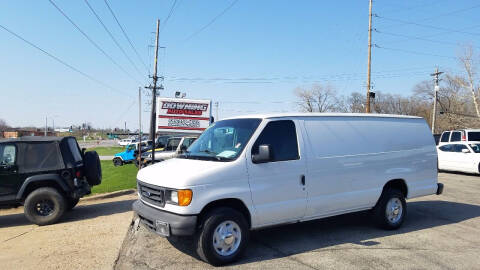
186 112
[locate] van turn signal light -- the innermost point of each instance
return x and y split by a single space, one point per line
184 197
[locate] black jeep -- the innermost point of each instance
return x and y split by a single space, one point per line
48 175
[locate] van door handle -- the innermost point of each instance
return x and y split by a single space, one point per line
302 180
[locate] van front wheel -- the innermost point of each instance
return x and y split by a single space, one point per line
391 209
223 237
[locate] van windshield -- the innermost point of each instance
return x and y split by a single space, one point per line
223 140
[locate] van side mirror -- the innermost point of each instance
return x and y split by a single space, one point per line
264 154
465 151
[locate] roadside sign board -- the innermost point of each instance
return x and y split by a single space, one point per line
183 115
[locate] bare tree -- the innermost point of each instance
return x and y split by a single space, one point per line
468 63
3 125
318 98
355 103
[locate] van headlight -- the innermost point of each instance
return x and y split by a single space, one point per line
181 197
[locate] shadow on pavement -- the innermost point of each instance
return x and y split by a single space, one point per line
459 173
80 212
354 228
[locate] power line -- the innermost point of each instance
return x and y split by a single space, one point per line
419 38
428 26
436 34
172 8
112 37
92 42
442 15
211 22
125 35
62 61
414 52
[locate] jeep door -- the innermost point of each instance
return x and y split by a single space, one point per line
9 178
277 186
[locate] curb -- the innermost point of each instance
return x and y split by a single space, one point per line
109 195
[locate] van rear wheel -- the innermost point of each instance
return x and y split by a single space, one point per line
223 237
391 209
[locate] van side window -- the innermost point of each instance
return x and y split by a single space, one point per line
445 136
456 136
282 138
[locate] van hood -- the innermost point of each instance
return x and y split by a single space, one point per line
182 173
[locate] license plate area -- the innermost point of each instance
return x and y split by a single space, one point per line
162 228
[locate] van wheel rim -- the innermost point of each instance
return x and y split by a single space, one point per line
44 207
394 210
226 238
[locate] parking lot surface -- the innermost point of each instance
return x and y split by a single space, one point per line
88 237
440 232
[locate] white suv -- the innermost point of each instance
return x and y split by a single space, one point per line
461 135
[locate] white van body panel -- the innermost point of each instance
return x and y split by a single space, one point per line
361 156
346 160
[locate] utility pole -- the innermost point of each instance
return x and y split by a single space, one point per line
216 111
153 119
367 108
46 123
139 158
436 80
125 128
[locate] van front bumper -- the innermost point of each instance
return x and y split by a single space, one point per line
164 223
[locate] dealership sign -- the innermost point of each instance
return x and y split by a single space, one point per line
183 115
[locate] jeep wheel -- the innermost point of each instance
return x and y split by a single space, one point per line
44 206
117 162
391 209
71 203
223 237
93 168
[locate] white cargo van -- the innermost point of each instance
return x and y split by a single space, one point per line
251 172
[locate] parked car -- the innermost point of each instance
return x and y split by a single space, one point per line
460 157
125 142
129 154
47 175
462 135
174 147
253 172
147 152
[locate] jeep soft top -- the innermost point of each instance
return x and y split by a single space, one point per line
48 175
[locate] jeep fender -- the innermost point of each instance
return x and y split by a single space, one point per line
40 178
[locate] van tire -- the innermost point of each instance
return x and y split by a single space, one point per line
54 206
205 236
380 214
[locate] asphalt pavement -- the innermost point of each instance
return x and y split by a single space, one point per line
440 232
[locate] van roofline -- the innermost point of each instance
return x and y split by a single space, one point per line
279 115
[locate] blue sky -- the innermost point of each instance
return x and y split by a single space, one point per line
250 59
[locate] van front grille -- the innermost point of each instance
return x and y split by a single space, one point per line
151 194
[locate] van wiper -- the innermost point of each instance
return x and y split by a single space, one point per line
207 151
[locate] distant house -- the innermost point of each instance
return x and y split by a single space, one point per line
16 133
